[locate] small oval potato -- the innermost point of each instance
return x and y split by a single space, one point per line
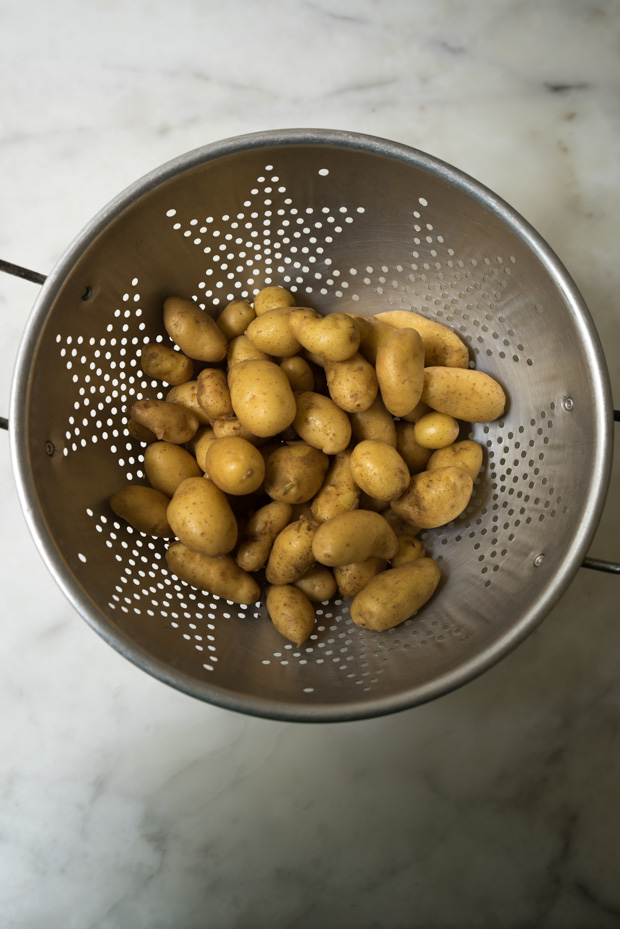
235 318
351 578
166 364
216 575
294 473
415 457
169 421
436 430
290 611
271 333
269 298
187 395
374 423
400 371
261 397
193 330
199 445
339 493
442 346
139 432
224 428
352 537
235 465
262 528
241 349
463 393
319 422
144 508
200 516
395 594
335 337
434 498
352 384
408 550
291 553
299 373
166 465
213 394
465 455
319 584
379 470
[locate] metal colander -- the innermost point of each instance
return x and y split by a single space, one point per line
348 223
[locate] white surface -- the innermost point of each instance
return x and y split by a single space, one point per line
126 804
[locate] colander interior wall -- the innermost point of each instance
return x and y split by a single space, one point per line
349 224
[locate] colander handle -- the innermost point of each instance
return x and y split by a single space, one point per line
26 274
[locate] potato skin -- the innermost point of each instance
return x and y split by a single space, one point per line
170 422
339 493
271 333
144 508
294 473
373 334
235 465
352 384
394 595
213 395
235 318
299 373
408 550
352 537
241 349
414 455
319 422
374 423
200 516
167 465
318 584
379 470
351 578
465 394
465 455
434 498
442 346
291 553
290 611
269 298
400 371
193 330
165 364
261 530
436 430
261 397
186 395
335 337
216 575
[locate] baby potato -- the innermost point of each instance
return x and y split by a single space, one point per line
436 430
319 422
400 527
339 493
463 393
379 470
434 498
166 465
372 334
235 318
144 508
271 333
166 364
223 428
262 528
261 397
394 595
374 423
299 373
270 298
414 455
319 584
408 550
442 346
199 445
335 337
235 465
213 394
193 330
465 455
187 395
352 384
168 421
351 578
294 473
241 349
200 516
400 371
290 611
139 432
217 575
352 537
291 553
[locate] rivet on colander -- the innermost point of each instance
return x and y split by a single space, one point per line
568 404
50 448
539 560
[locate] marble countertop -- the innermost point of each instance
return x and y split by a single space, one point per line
126 804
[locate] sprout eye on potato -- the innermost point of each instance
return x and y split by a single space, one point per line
297 456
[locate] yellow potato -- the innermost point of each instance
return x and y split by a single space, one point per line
169 421
395 594
144 508
291 553
241 349
298 372
465 455
290 611
400 526
220 575
166 465
414 456
352 384
223 428
200 516
408 550
213 394
319 584
339 493
271 333
374 423
434 498
294 473
379 470
442 346
436 430
319 422
235 465
463 393
335 337
400 371
352 537
419 410
166 364
373 334
351 578
269 298
199 445
261 397
139 432
261 530
187 395
235 318
193 330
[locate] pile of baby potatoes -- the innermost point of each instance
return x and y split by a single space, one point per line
297 456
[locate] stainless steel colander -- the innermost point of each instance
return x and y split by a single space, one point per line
349 223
